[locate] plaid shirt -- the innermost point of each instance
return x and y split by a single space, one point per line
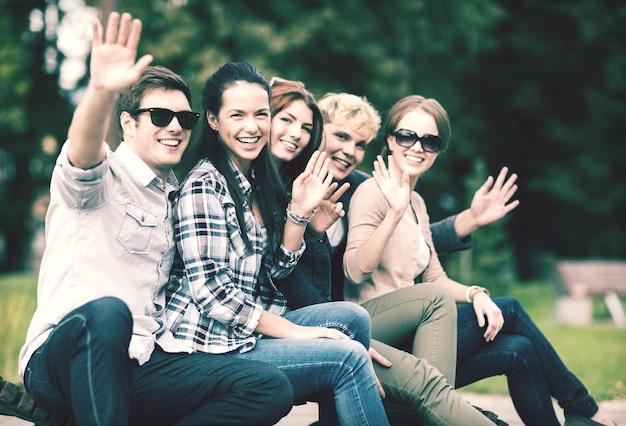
217 305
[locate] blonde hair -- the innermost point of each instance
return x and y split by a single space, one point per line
352 111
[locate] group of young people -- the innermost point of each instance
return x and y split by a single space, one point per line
275 272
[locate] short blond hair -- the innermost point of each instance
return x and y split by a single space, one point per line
352 111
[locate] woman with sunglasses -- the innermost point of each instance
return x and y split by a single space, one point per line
236 232
390 257
296 131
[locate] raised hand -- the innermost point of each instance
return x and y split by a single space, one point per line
396 192
490 200
311 186
112 69
113 66
330 209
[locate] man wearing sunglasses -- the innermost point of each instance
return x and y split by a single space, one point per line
96 347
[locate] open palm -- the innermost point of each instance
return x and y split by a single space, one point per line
311 186
394 187
490 200
113 65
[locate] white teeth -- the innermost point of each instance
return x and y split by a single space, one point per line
289 144
248 140
169 142
342 162
414 159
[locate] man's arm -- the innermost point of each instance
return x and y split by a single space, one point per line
112 68
446 239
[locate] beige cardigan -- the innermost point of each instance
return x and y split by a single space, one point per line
399 259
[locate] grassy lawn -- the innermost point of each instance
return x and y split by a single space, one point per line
595 354
18 300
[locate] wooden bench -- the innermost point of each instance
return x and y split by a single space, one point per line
593 277
15 401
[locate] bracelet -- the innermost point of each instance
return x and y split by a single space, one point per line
297 219
470 289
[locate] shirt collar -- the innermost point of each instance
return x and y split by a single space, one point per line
244 184
138 168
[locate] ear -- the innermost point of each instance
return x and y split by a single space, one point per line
128 124
390 141
212 120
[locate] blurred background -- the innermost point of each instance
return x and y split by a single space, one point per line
537 86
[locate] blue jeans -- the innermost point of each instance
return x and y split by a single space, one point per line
84 368
316 366
534 371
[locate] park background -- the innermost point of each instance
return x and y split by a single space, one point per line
538 86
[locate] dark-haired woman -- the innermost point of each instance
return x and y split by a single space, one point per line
236 232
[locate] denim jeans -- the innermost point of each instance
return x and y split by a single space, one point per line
317 366
83 367
534 371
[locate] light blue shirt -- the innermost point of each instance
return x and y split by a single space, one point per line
108 233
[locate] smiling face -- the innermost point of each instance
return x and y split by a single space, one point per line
291 131
243 122
414 160
344 147
161 148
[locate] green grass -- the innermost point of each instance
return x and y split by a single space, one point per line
18 300
595 354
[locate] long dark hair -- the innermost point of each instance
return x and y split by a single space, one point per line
267 191
284 93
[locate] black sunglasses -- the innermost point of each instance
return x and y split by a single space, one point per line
407 138
161 117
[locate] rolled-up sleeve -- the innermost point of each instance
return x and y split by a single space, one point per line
285 260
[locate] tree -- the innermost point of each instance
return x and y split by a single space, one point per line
30 110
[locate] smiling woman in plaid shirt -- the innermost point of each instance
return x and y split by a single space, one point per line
236 232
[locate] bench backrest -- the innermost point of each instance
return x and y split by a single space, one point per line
596 277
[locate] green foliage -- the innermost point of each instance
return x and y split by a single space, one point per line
536 86
490 261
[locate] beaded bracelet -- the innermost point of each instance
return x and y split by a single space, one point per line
297 219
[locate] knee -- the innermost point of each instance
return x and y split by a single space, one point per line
355 354
510 307
443 300
108 316
354 321
439 293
